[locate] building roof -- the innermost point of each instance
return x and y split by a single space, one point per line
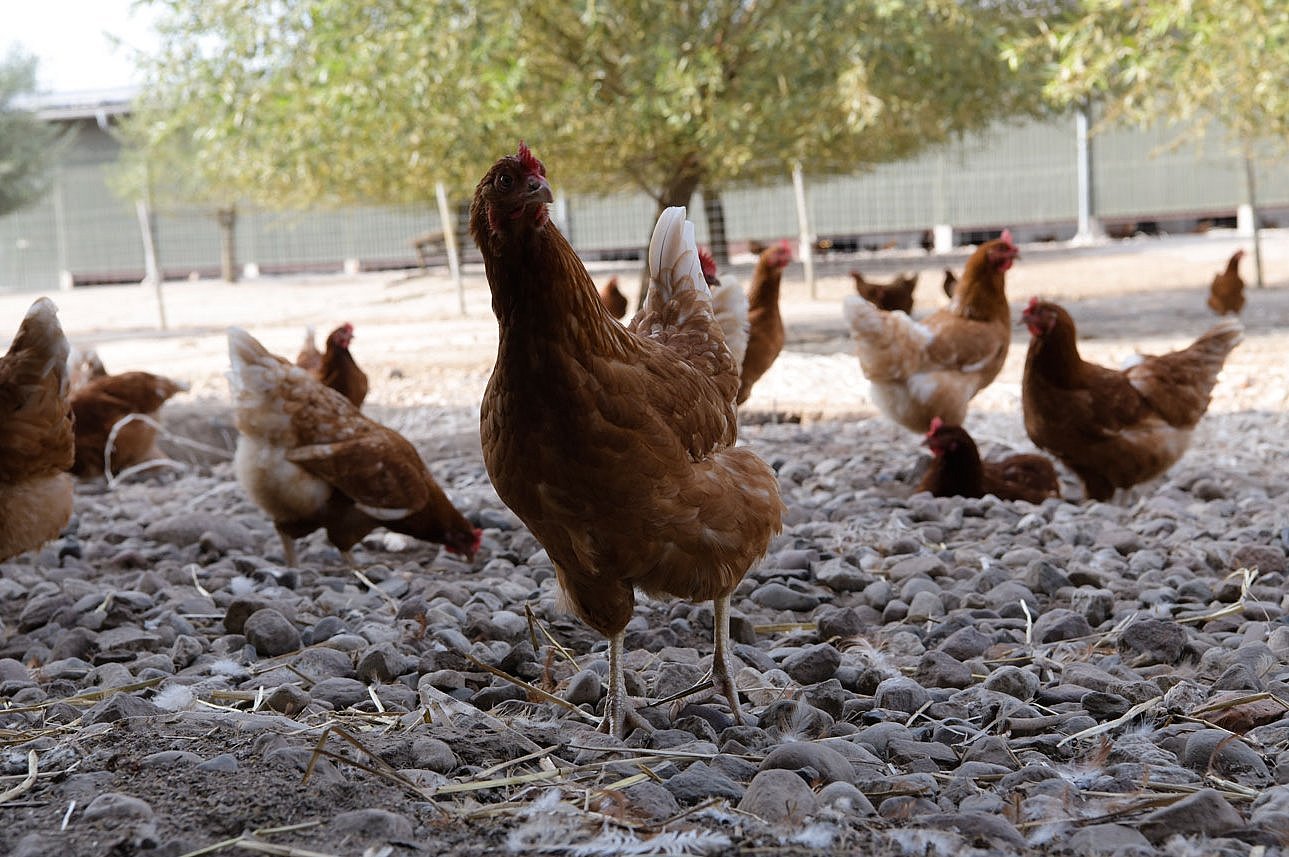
84 104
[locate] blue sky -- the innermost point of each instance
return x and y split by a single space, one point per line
70 40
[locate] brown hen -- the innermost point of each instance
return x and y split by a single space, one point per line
615 445
310 459
613 299
36 441
957 470
338 369
892 296
1115 428
102 403
1226 294
765 324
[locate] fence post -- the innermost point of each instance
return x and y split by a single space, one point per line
1089 227
807 241
450 241
151 270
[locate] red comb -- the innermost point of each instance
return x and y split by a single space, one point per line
936 425
1007 237
530 164
707 262
1032 305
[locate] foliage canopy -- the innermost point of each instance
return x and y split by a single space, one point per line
27 149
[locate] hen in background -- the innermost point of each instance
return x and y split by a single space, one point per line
765 324
102 403
615 445
892 296
310 459
310 357
919 370
729 305
338 369
613 299
950 283
84 365
1226 294
36 441
1115 428
957 470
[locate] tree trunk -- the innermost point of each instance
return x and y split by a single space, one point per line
678 190
227 218
714 210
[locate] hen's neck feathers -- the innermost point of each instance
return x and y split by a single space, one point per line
980 292
764 289
957 472
538 286
1055 354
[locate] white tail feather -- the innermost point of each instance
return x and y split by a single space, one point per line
729 305
673 258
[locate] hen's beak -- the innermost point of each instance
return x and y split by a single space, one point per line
539 190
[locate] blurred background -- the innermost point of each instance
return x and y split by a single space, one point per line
174 139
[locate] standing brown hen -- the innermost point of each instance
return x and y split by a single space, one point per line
1226 294
615 445
765 324
338 369
1115 428
613 299
36 441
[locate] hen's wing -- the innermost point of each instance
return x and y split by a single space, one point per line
1178 385
35 418
677 314
891 346
379 470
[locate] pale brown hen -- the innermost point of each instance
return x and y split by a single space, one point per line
1115 428
615 445
103 402
918 370
36 440
310 459
338 369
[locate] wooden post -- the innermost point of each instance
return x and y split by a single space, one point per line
450 241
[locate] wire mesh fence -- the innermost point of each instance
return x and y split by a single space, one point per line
1022 175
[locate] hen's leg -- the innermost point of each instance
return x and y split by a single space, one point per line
618 711
288 550
721 673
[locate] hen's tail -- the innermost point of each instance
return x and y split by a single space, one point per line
1211 349
729 305
255 372
678 312
35 418
889 344
1178 384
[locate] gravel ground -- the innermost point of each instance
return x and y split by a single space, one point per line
926 676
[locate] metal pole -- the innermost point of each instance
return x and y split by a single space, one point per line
450 241
807 241
1083 162
1251 186
151 271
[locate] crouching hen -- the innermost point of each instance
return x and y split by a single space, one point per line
1115 428
36 441
615 445
310 459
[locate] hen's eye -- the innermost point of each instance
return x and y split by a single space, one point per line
504 181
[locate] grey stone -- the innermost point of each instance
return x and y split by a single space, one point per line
271 633
584 688
900 693
383 662
114 805
288 699
1060 624
1213 751
846 799
838 622
840 576
1110 839
829 765
340 692
652 800
699 782
432 754
812 664
1012 681
170 759
374 824
224 763
1153 641
978 829
1095 605
924 607
966 643
188 529
776 596
1204 813
938 669
779 797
